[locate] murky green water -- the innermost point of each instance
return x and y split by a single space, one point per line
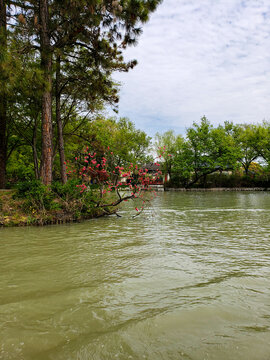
188 280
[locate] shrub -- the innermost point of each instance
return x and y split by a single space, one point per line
37 195
66 191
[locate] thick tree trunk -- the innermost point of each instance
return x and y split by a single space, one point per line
3 96
34 148
60 124
46 66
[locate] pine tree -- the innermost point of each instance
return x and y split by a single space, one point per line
99 29
3 96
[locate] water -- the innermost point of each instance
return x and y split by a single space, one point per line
189 279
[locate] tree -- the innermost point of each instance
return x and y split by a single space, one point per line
3 95
127 144
18 86
92 168
206 150
245 137
167 146
261 141
72 26
84 84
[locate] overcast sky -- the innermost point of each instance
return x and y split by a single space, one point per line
199 57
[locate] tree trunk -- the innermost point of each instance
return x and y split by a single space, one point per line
3 95
34 148
46 66
60 124
246 166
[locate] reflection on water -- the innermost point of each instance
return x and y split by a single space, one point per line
189 279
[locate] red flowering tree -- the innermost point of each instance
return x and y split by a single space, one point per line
111 184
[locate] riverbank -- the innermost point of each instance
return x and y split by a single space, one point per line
16 212
24 212
218 189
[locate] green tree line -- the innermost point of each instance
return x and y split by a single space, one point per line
235 149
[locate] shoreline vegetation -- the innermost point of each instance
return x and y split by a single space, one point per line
219 189
14 211
106 171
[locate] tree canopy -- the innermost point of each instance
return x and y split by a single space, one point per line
62 55
206 150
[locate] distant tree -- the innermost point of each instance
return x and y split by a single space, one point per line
167 146
205 150
262 141
245 137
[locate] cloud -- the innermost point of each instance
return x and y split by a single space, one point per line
207 57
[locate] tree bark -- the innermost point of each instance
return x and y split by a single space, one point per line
61 147
46 66
34 148
3 95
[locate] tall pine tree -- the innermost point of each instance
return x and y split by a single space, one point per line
3 95
99 28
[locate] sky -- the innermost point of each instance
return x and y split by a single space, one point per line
199 57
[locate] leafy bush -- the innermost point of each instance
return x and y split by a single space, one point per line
87 203
37 195
74 200
66 191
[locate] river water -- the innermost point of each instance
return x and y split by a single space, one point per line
188 279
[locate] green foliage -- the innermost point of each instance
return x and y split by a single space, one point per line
205 150
208 150
86 41
29 188
128 144
87 205
262 141
66 191
20 167
222 180
37 195
71 198
246 141
167 146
